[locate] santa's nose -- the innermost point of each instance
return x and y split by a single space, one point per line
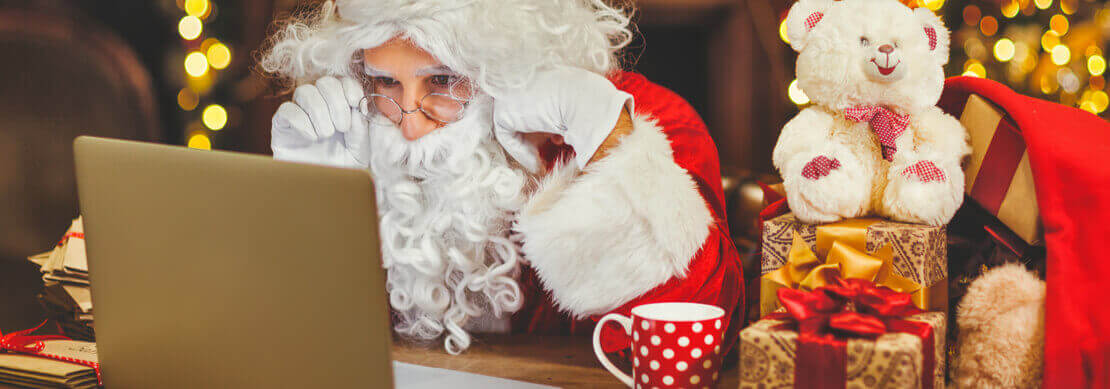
886 49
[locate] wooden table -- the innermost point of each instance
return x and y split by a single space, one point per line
561 361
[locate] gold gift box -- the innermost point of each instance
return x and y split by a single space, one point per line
919 253
892 360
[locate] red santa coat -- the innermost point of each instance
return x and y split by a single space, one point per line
644 224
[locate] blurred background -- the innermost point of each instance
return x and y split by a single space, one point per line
182 72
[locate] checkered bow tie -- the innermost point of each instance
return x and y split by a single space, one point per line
886 124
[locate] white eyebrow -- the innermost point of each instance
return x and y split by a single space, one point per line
435 70
375 72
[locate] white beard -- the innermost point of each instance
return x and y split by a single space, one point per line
446 203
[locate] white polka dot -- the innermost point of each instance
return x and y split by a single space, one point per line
717 349
636 361
708 339
643 350
696 327
668 380
655 340
668 353
717 324
636 336
707 364
694 379
644 324
669 328
681 366
643 377
714 375
695 353
654 365
683 341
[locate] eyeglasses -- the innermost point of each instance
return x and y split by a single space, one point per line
446 101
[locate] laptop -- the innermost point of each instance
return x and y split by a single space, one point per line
224 270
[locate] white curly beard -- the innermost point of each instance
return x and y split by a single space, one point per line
446 203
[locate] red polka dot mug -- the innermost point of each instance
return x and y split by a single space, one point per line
675 345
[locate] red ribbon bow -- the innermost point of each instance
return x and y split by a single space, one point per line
848 308
886 124
24 343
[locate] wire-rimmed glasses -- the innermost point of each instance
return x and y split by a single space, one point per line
445 102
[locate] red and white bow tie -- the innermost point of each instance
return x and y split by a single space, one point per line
886 124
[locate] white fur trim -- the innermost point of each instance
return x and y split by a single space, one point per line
631 221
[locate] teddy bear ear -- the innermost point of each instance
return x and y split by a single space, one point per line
936 34
802 18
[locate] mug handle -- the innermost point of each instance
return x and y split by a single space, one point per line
625 322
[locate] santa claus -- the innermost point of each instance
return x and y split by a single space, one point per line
524 182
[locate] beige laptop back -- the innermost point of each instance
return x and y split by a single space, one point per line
225 270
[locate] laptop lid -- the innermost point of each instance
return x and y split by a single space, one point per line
216 269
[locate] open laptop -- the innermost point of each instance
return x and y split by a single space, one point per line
225 270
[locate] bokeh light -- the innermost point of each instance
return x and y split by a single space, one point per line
187 99
1096 65
1010 8
796 94
988 26
1004 50
1061 55
219 56
974 68
782 32
190 27
196 64
1050 40
200 141
972 15
933 5
197 8
1042 4
214 117
1069 6
1059 24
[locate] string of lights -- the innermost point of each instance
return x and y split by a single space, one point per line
203 60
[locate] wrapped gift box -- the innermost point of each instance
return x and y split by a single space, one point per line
893 360
998 176
919 253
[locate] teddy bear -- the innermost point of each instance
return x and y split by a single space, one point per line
874 141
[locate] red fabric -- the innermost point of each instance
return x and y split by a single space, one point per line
820 166
926 171
886 124
1069 152
714 276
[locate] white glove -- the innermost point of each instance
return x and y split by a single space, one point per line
322 125
580 105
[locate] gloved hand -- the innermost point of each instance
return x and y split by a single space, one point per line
322 125
577 104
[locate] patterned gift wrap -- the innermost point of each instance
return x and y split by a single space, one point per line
767 355
920 252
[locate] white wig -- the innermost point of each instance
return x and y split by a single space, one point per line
498 44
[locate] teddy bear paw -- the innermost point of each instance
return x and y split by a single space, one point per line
921 193
827 187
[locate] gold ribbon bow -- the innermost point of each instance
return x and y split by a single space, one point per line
843 246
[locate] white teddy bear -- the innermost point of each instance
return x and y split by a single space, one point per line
874 142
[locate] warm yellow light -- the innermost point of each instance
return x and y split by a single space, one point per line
214 117
1096 65
988 25
198 8
1004 50
796 94
1048 84
1061 55
187 99
1050 40
1100 100
974 68
200 141
933 4
190 27
1069 6
1059 24
196 64
782 32
1042 4
219 56
1010 8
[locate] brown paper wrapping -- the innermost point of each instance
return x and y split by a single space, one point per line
891 361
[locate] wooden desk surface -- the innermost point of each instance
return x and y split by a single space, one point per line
561 361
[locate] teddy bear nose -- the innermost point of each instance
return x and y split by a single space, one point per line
886 49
